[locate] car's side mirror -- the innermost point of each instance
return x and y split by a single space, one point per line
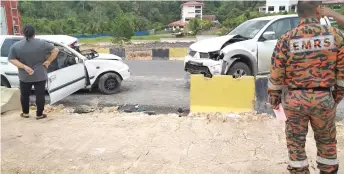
269 35
77 59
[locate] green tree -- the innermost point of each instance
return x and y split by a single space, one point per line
207 24
123 27
195 25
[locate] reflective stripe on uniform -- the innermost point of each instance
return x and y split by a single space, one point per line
299 164
340 83
274 87
327 161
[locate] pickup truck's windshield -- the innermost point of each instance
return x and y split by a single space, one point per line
249 29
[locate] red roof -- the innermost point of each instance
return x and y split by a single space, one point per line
192 3
177 23
209 17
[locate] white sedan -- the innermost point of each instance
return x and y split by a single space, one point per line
246 50
71 71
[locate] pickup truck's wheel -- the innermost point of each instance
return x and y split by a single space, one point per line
239 69
5 83
109 83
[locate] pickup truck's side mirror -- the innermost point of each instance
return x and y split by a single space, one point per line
269 35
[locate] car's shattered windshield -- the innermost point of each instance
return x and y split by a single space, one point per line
249 29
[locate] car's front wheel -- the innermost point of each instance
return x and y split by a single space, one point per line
239 69
109 83
5 83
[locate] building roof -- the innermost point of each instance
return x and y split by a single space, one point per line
209 17
192 3
333 2
294 2
176 23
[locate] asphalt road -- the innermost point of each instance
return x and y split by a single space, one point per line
155 85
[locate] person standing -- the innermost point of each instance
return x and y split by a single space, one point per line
309 61
30 57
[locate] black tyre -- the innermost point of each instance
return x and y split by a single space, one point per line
239 69
5 83
109 83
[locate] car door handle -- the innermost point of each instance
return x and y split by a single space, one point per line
52 78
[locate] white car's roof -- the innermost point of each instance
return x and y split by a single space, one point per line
64 39
275 17
11 36
2 37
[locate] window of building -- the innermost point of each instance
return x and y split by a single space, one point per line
198 11
293 8
198 7
190 12
281 8
271 8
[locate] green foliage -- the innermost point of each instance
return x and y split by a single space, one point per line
94 17
195 25
123 27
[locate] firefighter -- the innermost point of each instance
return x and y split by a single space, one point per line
308 61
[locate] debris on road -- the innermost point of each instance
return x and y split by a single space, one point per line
82 109
137 108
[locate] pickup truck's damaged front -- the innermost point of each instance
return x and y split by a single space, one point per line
209 63
246 50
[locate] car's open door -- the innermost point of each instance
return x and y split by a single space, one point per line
65 81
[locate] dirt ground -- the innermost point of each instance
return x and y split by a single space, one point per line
112 142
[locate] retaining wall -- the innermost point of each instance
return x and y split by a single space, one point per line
139 52
149 54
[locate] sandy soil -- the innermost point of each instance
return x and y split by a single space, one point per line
112 142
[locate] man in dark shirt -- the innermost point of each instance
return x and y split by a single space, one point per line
30 56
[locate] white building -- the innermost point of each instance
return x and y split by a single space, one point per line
276 6
191 10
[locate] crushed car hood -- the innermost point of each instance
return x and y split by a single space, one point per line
105 56
211 44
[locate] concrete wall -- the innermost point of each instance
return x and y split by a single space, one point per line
150 54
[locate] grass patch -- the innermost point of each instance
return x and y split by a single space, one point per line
155 37
109 39
149 37
95 40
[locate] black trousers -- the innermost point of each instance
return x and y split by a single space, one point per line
25 90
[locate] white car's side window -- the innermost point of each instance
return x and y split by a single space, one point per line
64 58
6 45
280 27
295 22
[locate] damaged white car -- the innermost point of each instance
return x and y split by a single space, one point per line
246 50
70 71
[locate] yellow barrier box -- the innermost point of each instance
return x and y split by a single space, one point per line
221 93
